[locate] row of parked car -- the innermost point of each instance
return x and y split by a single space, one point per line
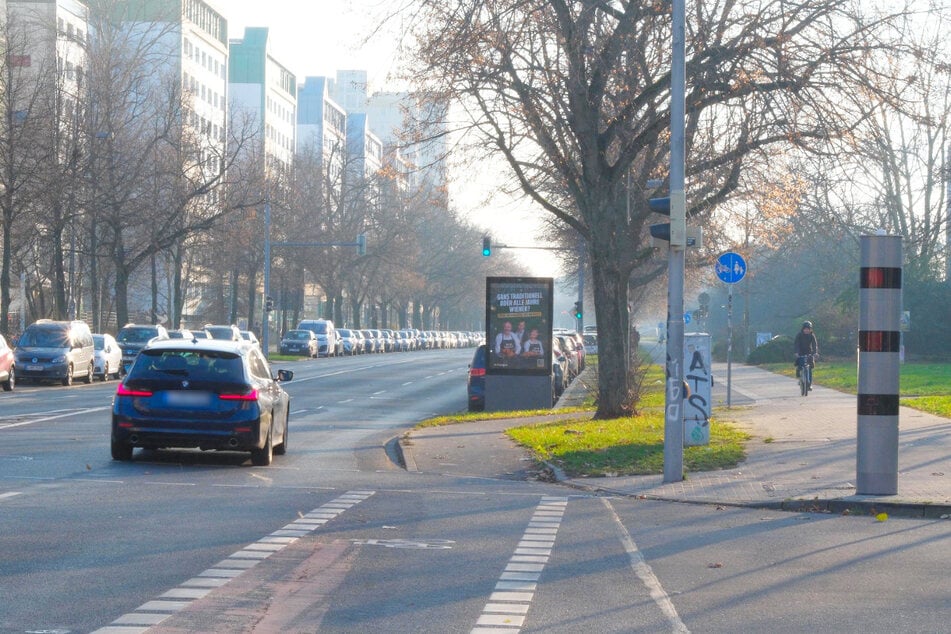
63 351
321 338
568 353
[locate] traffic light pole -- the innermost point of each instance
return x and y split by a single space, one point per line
360 243
674 396
579 305
266 318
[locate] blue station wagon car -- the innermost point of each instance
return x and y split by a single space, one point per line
209 394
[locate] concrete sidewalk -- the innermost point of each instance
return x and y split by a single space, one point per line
802 455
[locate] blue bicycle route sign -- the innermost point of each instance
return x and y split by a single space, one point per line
731 267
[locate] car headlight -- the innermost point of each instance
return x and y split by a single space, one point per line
60 359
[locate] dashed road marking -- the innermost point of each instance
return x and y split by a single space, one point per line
11 494
508 605
177 599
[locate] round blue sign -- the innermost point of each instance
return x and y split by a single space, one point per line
731 267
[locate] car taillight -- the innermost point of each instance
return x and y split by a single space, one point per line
122 390
250 396
476 371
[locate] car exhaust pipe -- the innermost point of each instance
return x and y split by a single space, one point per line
232 442
134 439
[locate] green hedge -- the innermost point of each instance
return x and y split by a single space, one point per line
776 350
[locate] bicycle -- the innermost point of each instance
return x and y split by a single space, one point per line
804 363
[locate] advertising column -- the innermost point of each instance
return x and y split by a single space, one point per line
699 378
518 343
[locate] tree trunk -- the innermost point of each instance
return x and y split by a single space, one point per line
233 315
121 287
94 283
615 397
252 296
59 277
178 298
154 288
355 305
6 263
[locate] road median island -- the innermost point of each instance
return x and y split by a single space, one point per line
568 441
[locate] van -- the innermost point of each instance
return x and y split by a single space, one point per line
56 351
328 343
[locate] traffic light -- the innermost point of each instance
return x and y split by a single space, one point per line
579 310
362 244
268 304
486 246
660 232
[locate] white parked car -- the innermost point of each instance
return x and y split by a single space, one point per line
590 342
108 357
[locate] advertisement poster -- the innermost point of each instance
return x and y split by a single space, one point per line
518 324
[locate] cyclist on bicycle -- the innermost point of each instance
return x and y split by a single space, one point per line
806 347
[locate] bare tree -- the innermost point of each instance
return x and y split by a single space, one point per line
575 96
33 154
158 179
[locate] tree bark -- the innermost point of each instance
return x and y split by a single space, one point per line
610 296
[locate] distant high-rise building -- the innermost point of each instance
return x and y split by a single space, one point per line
322 127
264 93
46 46
349 89
188 40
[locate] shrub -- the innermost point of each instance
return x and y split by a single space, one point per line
776 350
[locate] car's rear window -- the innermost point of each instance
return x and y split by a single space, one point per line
136 335
194 365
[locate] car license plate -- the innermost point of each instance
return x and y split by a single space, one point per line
34 368
188 399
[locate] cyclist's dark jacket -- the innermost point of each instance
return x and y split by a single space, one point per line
806 344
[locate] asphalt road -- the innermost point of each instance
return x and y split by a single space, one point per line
333 537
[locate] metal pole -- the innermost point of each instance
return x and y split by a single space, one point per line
581 256
266 319
673 412
729 346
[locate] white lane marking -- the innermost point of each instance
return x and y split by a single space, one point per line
76 412
509 603
177 599
407 383
347 371
380 392
11 494
646 575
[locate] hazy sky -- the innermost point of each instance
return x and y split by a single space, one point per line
319 37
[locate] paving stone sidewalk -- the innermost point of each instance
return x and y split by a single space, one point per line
802 455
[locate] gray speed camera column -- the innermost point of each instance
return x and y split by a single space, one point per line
880 304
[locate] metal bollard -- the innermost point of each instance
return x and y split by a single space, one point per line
880 304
